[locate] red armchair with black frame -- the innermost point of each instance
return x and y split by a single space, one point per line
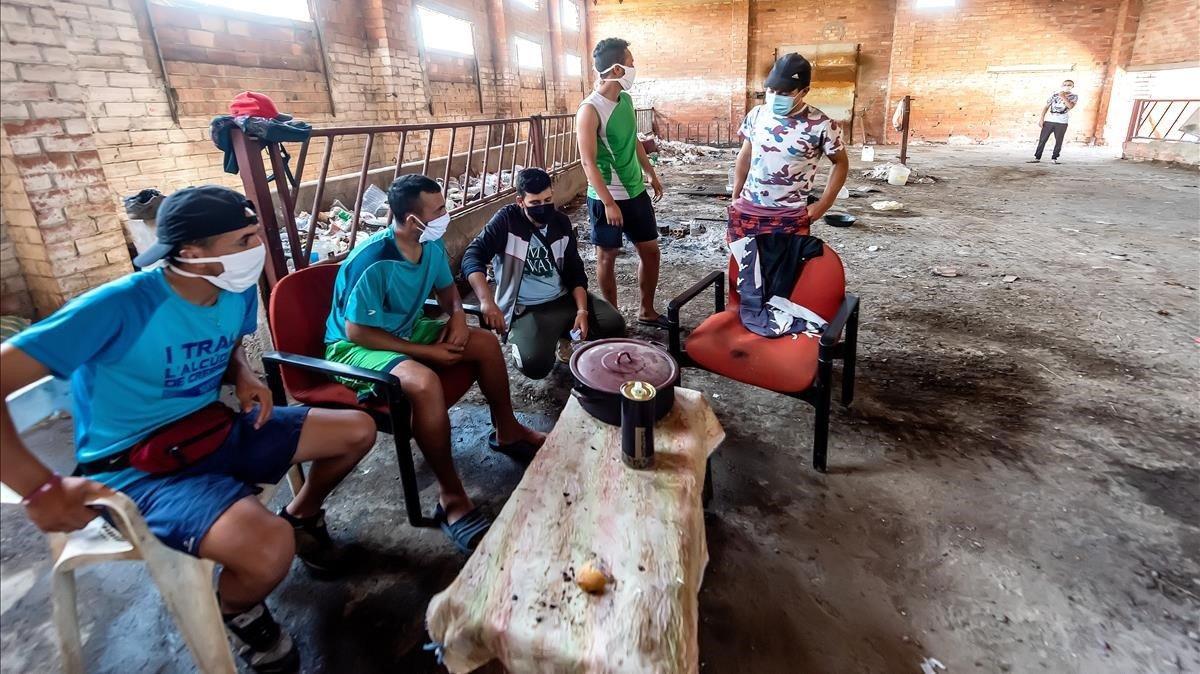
802 367
299 306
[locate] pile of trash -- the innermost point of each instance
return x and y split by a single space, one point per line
879 173
331 228
677 152
477 186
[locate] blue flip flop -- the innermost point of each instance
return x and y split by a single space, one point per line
521 451
467 531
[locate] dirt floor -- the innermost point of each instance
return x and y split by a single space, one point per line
1015 488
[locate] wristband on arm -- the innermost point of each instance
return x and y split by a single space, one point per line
53 482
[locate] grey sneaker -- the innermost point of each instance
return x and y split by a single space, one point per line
564 351
261 643
314 546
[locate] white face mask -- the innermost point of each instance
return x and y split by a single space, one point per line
241 269
434 229
626 80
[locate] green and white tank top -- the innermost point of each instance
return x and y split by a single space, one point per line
616 151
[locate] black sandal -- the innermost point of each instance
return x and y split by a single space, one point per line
521 451
661 322
467 531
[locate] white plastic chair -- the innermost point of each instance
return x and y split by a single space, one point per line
185 582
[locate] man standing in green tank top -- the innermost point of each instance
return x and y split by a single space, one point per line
615 163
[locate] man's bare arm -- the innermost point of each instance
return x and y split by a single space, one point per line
741 168
379 339
837 178
587 125
53 504
19 468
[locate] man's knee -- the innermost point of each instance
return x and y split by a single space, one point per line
535 365
417 381
266 554
484 341
649 251
362 432
610 323
606 257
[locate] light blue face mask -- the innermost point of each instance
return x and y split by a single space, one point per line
780 105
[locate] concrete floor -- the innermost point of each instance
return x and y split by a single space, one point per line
1014 489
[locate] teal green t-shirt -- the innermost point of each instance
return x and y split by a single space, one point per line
616 146
378 288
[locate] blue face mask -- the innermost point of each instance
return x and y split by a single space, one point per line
780 105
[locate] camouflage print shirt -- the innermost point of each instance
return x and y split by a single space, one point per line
786 153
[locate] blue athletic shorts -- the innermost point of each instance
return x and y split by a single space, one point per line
181 507
640 225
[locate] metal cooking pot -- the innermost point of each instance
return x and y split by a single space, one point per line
601 367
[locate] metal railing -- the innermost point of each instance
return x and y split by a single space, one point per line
1165 119
475 162
560 152
716 133
646 121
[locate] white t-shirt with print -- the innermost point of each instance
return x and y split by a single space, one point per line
786 153
1058 107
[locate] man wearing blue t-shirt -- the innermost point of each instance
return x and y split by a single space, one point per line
147 355
378 322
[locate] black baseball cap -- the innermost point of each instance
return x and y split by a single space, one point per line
194 213
791 71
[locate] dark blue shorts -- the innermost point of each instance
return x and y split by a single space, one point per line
181 507
639 227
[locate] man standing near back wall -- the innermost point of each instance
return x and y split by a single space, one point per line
615 162
1054 120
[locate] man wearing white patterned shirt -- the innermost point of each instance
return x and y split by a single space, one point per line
1054 120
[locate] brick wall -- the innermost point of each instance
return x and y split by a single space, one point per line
866 22
59 205
981 70
1168 33
14 209
87 120
682 51
209 56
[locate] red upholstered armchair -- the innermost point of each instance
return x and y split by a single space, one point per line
801 367
300 303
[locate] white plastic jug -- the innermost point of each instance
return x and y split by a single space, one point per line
898 174
868 153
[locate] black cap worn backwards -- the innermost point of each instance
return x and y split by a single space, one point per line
791 72
195 213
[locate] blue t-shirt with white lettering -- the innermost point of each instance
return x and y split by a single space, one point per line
139 356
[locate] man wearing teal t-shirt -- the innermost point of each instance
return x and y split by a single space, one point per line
377 321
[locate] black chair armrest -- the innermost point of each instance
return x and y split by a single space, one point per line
330 368
690 294
833 331
673 307
469 309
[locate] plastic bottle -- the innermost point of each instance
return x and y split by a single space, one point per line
898 174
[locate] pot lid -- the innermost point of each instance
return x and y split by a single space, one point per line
605 364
